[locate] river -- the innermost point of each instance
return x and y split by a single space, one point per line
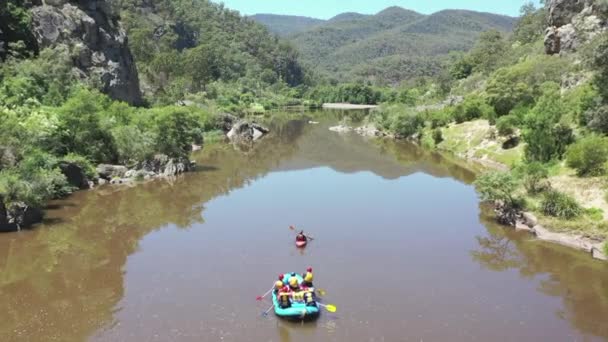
403 249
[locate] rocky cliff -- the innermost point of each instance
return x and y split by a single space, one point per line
573 23
92 34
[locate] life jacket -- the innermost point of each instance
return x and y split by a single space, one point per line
309 298
284 301
308 278
301 237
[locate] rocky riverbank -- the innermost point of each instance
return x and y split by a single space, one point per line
18 215
469 144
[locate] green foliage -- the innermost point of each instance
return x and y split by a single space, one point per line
595 214
597 119
497 187
589 156
546 137
346 93
406 123
177 128
606 248
600 63
533 176
506 125
488 52
560 205
133 144
437 136
531 25
473 107
80 127
82 162
521 84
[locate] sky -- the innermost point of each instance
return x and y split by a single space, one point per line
325 9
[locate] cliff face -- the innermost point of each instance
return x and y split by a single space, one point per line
92 34
573 23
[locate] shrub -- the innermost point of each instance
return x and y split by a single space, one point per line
507 125
82 162
437 136
133 144
472 108
177 128
407 123
597 119
560 205
439 118
589 156
497 187
595 214
532 175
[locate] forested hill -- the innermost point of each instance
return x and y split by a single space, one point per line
180 46
393 45
283 25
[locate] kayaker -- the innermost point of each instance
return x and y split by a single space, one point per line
301 237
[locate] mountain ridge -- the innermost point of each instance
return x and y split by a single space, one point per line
353 46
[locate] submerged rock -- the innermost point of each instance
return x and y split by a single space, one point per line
341 129
21 215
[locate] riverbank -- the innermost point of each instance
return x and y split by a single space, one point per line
347 106
478 142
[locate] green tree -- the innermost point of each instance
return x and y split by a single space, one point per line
589 156
177 128
546 137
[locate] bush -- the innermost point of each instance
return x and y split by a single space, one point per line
407 123
595 214
560 205
439 118
589 156
177 128
597 119
532 175
507 125
497 187
472 108
82 162
437 136
133 144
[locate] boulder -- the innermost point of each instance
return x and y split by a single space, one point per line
529 219
22 215
92 33
598 252
225 122
244 132
164 166
341 129
108 172
561 12
74 174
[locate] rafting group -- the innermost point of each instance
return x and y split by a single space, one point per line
293 295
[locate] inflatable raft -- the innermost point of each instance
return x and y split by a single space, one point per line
298 310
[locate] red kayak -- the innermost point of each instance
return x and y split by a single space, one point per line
301 243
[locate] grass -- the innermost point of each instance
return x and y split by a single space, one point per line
213 137
583 225
606 248
507 157
461 138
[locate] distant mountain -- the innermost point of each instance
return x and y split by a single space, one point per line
392 45
283 25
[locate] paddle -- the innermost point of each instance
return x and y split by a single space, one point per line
265 313
258 298
321 292
307 236
328 307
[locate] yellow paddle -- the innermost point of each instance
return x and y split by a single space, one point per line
321 292
328 307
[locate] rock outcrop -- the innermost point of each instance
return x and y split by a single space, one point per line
573 23
97 43
75 175
244 132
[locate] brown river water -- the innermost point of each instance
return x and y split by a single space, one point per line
403 249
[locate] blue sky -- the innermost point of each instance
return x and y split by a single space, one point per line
326 9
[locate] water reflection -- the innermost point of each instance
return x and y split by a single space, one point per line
65 280
581 283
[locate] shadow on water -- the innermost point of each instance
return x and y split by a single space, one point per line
64 280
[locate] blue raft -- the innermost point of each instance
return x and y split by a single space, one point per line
298 309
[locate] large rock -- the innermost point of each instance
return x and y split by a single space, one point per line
225 122
92 33
164 166
74 174
244 132
21 215
108 172
573 23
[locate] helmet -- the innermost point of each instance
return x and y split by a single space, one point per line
281 277
309 269
308 277
293 282
278 284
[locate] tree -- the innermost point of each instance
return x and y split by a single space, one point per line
177 128
532 175
546 137
589 156
487 54
531 25
498 188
